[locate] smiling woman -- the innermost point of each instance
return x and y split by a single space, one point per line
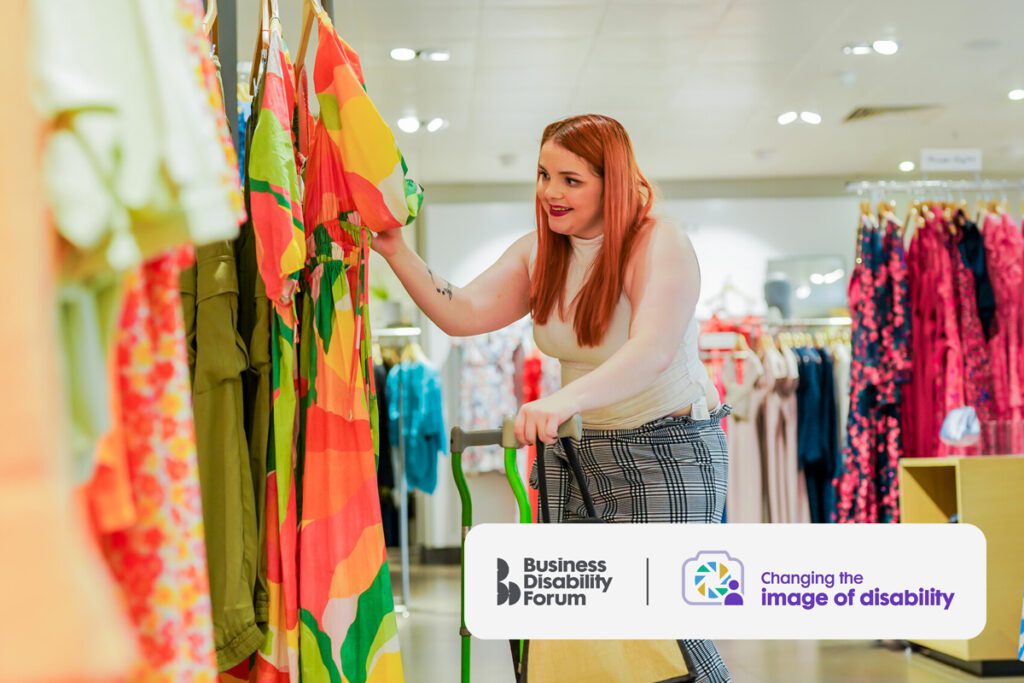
612 291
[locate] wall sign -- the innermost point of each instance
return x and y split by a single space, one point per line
951 160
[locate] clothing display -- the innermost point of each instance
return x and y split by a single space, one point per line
275 205
54 586
866 486
486 368
345 606
138 162
265 461
784 443
785 489
414 391
818 424
159 557
217 359
746 495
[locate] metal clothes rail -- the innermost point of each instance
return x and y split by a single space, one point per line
976 185
408 333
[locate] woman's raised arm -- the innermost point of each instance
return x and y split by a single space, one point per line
498 297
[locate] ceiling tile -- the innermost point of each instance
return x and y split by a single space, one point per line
661 20
419 25
525 77
526 21
555 53
642 52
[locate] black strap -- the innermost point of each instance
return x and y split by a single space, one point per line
577 470
542 485
577 473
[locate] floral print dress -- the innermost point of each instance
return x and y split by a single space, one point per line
867 488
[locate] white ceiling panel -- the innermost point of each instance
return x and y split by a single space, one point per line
645 52
539 21
420 25
525 78
662 19
555 53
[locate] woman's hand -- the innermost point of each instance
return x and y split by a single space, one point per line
539 420
387 243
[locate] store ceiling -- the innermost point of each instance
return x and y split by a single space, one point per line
698 83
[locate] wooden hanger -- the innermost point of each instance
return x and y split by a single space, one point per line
262 44
210 20
885 208
412 353
310 9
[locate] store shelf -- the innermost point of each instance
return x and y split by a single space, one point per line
987 492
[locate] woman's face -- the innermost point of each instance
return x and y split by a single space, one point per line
570 192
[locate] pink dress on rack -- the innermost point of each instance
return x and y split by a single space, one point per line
1003 251
977 371
745 497
778 442
949 349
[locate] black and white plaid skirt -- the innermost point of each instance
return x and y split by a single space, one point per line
674 469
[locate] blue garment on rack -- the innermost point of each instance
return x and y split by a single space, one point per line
414 388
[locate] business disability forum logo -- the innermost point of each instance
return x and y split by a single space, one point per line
555 583
713 577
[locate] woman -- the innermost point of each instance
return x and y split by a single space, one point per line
612 292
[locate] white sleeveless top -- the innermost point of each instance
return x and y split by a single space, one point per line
684 383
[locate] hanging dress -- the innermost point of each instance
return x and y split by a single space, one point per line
866 487
354 183
275 206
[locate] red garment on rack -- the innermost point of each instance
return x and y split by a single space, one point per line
977 371
949 350
532 373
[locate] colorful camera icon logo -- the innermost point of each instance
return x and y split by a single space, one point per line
713 577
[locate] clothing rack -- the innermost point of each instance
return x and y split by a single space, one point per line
837 321
404 333
976 185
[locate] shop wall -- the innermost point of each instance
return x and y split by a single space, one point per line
733 237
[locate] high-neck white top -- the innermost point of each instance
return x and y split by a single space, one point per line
684 383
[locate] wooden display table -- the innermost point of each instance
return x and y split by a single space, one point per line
988 492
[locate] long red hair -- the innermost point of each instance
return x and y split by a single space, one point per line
627 201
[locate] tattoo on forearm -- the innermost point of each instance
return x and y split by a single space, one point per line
445 289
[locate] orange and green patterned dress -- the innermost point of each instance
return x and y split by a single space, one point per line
276 206
355 182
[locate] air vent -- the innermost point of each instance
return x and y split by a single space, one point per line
861 113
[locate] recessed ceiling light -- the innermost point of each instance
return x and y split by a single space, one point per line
403 54
436 124
409 124
811 117
1016 95
803 292
858 49
436 55
907 166
885 47
787 118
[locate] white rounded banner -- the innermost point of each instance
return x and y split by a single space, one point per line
757 581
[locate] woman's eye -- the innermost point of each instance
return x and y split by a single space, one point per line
571 182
